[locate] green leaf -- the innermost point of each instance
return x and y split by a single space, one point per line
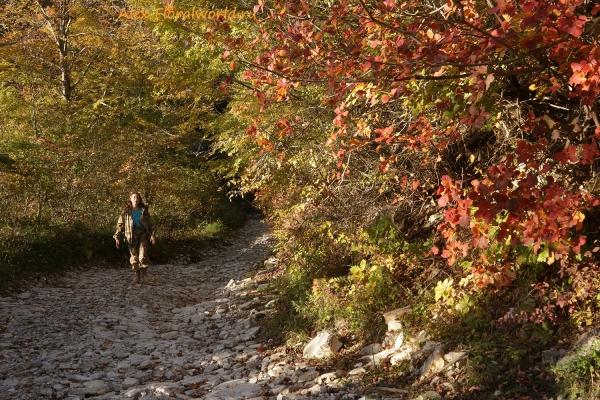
543 255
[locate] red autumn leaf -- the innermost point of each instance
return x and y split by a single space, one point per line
283 123
501 183
481 242
576 28
464 220
442 201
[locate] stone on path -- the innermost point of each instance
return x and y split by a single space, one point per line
235 389
96 388
129 382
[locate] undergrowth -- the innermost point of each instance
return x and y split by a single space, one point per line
579 375
505 329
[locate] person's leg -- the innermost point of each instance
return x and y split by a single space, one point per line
134 251
143 257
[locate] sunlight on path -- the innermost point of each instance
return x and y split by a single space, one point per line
96 334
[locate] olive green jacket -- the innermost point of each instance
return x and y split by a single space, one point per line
125 224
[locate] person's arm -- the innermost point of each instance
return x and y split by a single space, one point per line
151 229
119 231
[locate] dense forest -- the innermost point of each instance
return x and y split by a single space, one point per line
435 154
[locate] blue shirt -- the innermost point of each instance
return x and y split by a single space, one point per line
136 215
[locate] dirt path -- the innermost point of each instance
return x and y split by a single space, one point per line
188 334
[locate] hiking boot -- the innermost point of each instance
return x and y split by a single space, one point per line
137 277
145 275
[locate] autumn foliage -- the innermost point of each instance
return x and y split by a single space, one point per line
453 70
472 125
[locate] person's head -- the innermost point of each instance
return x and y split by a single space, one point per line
135 201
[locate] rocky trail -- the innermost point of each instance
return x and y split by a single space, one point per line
189 333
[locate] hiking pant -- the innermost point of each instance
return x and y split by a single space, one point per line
138 248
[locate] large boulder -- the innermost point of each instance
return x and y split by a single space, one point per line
323 345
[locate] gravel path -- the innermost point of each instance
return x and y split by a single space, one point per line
189 333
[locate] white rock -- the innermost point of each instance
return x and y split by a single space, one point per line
252 331
434 363
323 345
373 348
170 335
328 377
357 371
454 356
392 318
222 356
192 380
399 340
235 388
308 376
397 358
421 337
376 358
165 388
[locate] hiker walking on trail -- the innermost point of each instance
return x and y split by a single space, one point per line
135 222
